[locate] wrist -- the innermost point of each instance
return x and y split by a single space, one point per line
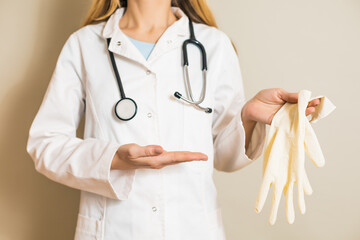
248 123
246 114
115 161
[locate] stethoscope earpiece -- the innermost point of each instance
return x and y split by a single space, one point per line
179 96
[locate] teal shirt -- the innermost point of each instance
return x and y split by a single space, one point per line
144 47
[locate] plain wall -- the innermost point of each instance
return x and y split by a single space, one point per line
295 45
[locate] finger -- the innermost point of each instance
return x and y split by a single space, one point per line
275 204
312 146
301 199
169 158
314 103
309 110
289 203
171 161
287 96
137 151
262 195
182 156
307 187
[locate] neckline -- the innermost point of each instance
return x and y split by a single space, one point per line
141 42
112 24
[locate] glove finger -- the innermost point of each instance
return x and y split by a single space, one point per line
261 198
275 204
269 157
312 146
274 144
301 199
269 147
289 203
307 186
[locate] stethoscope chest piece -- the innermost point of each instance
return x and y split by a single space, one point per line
125 109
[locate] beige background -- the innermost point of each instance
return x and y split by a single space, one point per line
308 44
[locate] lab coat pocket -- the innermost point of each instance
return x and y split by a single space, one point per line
88 228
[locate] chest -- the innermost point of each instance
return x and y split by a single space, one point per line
152 86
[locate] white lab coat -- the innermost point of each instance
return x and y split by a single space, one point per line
178 201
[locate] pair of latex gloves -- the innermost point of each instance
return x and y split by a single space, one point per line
289 137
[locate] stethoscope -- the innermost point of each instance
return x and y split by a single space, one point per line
126 108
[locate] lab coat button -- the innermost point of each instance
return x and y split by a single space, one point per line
148 72
118 43
149 115
154 209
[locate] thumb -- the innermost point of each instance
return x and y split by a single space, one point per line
287 96
147 151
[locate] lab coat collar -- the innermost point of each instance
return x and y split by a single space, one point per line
171 38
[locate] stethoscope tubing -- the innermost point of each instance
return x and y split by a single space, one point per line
117 75
189 93
188 87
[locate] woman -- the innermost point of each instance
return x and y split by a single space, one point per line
149 177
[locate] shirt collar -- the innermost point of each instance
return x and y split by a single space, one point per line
180 27
121 45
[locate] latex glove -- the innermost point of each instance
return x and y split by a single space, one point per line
290 135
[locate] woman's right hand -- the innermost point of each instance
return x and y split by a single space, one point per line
133 156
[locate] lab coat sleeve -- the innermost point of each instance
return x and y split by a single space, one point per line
58 154
228 129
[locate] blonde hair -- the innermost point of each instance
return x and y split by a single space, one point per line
197 10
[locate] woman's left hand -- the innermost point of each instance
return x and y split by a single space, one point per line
265 104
